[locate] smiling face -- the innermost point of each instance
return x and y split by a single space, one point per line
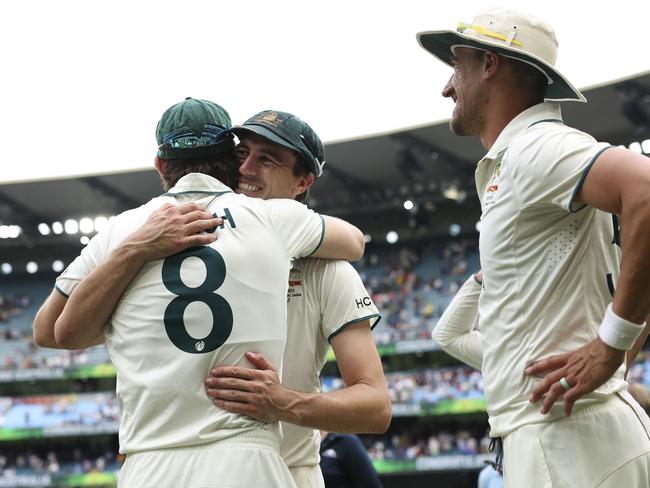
267 169
464 89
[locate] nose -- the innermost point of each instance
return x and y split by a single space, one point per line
448 89
247 166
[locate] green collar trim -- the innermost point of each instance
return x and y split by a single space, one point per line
559 121
201 192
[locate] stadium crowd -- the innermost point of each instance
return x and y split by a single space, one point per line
59 462
59 411
413 444
410 286
12 305
427 386
404 446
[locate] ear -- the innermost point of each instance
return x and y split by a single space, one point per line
160 165
304 183
491 64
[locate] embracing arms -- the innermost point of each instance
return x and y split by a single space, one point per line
362 406
78 321
341 240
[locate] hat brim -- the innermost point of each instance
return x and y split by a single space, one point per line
262 131
442 43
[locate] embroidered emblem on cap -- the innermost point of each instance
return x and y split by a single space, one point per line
270 118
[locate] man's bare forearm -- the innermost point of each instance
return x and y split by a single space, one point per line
43 327
632 301
82 322
638 344
363 406
359 408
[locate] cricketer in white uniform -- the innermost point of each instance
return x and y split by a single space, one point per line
324 298
203 307
550 268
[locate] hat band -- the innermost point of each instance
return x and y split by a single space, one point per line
185 138
462 27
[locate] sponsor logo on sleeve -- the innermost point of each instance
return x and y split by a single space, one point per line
363 302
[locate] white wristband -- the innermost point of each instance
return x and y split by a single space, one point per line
618 332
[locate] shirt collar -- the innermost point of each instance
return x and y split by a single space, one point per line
532 115
198 183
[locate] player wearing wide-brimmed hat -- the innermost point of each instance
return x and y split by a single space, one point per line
510 34
550 256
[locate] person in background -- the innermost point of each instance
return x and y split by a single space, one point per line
490 477
345 463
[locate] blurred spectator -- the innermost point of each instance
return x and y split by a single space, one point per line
489 477
345 462
12 305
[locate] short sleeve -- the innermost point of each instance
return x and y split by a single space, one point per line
300 229
343 297
549 162
94 254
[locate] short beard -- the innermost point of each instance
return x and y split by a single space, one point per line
467 126
457 128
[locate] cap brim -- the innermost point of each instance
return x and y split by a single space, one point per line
265 133
262 131
441 44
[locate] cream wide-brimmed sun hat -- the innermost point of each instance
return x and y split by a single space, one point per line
511 34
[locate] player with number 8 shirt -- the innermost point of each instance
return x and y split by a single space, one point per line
205 306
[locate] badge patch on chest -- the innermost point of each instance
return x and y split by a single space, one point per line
492 190
295 285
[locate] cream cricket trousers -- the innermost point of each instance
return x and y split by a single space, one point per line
308 476
247 460
601 446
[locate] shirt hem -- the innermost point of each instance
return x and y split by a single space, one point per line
56 287
582 180
377 316
322 236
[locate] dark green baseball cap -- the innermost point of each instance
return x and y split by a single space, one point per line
288 131
194 128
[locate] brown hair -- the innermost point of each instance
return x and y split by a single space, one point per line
531 78
223 167
301 169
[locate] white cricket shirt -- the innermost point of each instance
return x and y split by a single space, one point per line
549 265
324 298
201 308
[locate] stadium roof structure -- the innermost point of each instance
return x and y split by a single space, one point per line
364 179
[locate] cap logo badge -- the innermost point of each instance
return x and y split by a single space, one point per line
270 118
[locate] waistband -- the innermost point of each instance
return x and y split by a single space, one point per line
256 438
